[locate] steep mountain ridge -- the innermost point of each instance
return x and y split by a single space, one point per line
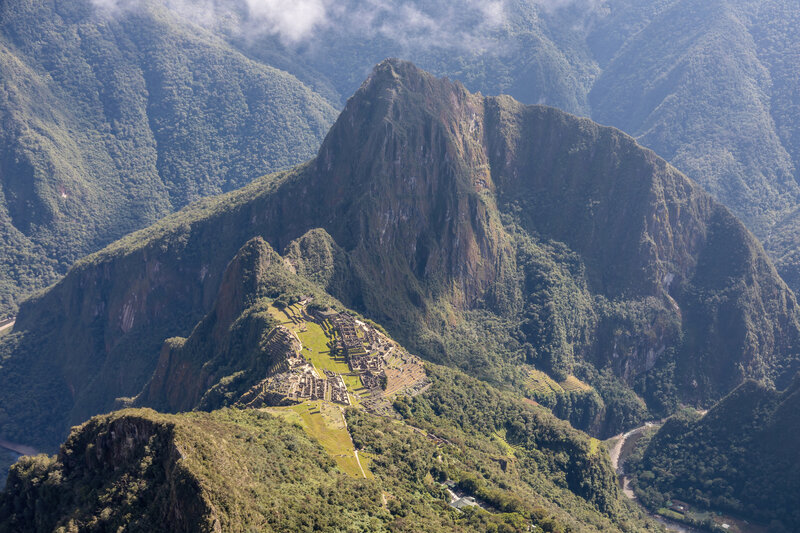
336 464
705 85
460 223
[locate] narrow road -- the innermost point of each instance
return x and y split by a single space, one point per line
8 325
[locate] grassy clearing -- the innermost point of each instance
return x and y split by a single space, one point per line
283 318
354 386
366 461
316 350
539 382
594 446
500 437
574 384
663 511
325 423
315 339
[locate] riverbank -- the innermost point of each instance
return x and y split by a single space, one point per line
9 453
622 447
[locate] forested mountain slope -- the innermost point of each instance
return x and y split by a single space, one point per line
109 123
741 457
710 86
481 233
376 458
141 470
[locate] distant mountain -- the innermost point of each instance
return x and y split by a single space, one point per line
742 457
710 86
109 123
481 233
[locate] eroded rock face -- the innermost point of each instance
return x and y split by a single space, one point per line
131 460
434 211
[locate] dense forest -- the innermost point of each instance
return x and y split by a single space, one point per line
111 123
742 457
138 469
172 173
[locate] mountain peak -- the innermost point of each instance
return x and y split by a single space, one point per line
395 73
396 81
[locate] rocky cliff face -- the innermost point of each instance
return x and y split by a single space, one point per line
231 347
480 232
108 455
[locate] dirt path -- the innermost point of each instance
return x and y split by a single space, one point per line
355 452
7 326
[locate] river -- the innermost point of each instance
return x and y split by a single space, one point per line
621 450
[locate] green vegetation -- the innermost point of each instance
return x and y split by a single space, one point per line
230 471
541 384
469 407
235 468
740 458
111 124
243 470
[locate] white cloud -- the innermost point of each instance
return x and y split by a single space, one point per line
292 20
552 5
410 23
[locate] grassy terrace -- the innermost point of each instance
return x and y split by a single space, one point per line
574 384
500 437
594 445
325 423
539 382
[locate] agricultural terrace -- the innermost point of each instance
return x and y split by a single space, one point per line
317 340
540 383
383 364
